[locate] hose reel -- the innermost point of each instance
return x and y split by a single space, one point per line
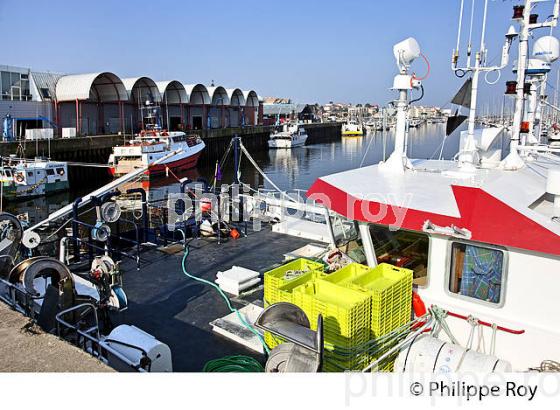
26 272
303 349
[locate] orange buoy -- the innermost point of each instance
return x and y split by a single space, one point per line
234 233
418 305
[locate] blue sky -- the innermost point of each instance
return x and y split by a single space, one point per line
308 50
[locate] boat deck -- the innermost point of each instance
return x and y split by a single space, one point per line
177 310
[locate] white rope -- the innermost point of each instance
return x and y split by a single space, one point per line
481 348
473 322
439 316
367 150
493 340
260 171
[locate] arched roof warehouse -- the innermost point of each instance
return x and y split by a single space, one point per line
198 94
100 87
218 95
251 98
141 89
236 97
172 92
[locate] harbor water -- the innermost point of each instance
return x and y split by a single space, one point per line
291 169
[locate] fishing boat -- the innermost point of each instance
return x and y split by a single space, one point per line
482 237
23 178
291 136
352 129
152 145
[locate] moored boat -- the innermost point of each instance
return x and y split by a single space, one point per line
352 129
292 135
152 145
23 178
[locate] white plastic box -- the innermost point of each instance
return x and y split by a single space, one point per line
68 132
39 134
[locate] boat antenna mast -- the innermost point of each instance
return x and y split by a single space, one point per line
468 156
527 22
405 53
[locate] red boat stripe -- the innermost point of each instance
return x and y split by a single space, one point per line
487 218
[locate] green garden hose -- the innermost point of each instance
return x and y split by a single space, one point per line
226 299
233 364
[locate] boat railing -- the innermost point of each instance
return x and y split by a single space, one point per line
90 341
92 247
19 298
277 204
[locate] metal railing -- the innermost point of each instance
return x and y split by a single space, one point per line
89 340
19 298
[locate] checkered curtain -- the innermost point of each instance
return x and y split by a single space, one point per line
482 273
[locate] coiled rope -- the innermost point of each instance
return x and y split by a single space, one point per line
233 364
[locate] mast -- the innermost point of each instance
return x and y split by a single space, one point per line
468 156
405 53
513 161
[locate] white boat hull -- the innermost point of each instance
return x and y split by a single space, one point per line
286 144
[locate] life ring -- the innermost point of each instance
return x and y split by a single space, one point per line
19 177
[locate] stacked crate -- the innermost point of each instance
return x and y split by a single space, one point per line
358 304
390 290
346 317
281 281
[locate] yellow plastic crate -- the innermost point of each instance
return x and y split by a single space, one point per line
391 296
347 274
276 278
357 303
346 319
284 294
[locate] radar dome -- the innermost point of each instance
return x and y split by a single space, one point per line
547 49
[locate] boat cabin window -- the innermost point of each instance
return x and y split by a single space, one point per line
50 171
347 238
344 230
179 138
403 249
477 272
